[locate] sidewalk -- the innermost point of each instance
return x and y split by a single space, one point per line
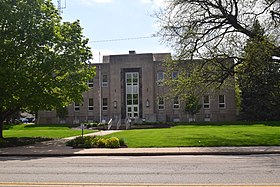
58 148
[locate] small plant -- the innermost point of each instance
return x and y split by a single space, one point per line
101 142
122 142
112 142
95 141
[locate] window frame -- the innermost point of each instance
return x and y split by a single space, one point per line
90 104
206 105
90 83
104 82
176 105
161 106
77 107
160 78
222 105
104 107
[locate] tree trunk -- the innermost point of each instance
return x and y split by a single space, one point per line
1 128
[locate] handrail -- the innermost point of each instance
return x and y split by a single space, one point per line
127 123
119 124
110 123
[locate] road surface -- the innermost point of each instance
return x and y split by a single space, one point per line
164 170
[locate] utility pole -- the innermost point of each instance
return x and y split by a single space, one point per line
61 7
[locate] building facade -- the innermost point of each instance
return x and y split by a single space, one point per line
130 86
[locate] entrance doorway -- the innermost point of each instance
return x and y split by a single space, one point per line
132 94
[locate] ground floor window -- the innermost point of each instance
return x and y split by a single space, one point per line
105 104
161 104
90 104
176 103
206 101
222 101
76 106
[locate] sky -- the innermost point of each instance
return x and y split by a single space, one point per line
116 19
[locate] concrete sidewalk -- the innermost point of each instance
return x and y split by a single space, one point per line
58 148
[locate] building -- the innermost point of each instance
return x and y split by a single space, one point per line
130 86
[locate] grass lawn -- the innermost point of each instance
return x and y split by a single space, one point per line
202 135
48 131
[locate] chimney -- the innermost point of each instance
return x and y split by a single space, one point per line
132 52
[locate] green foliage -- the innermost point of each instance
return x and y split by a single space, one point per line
209 37
101 142
259 79
112 142
192 104
44 62
96 141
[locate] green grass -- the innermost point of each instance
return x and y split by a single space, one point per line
201 135
48 131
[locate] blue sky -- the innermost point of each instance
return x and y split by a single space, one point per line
116 19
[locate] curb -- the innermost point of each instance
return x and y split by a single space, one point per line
222 153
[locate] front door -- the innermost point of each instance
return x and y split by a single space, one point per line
132 94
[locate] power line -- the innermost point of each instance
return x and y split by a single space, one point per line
123 39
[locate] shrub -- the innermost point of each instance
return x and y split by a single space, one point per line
77 142
95 141
101 142
122 142
112 142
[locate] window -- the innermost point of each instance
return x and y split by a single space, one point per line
175 74
176 103
104 80
90 104
76 106
206 102
160 78
207 117
161 105
105 104
222 103
90 83
132 94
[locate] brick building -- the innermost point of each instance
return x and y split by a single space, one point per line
130 86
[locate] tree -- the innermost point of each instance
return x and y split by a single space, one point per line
44 62
215 29
215 32
259 80
192 105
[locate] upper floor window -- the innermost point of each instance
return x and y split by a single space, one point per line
206 101
175 74
76 106
90 104
161 104
160 78
105 104
104 80
90 83
222 101
176 102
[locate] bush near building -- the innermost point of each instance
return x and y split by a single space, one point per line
96 142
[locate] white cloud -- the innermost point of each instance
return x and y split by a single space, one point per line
91 2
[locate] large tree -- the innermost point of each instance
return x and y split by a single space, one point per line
259 79
215 31
44 62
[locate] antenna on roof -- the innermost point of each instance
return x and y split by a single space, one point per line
60 7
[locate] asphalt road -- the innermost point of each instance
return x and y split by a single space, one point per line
191 170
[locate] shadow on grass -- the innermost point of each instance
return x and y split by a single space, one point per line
49 125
